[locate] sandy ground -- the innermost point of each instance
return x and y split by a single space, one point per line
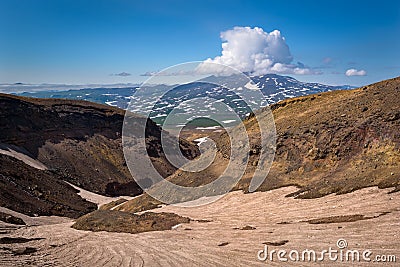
221 242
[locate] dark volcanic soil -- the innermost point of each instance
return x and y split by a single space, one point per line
8 218
77 139
79 142
32 191
118 221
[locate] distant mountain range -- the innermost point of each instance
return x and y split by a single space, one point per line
112 96
274 88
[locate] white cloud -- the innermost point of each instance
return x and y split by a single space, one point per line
255 51
149 73
121 74
354 72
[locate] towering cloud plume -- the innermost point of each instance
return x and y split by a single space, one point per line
255 51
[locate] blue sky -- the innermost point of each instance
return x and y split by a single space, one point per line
78 42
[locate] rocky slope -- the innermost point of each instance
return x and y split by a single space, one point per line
339 141
38 192
334 142
75 141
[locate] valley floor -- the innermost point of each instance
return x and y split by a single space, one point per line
232 233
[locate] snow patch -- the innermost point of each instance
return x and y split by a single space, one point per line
6 150
200 140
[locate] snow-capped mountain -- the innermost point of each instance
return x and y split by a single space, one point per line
227 89
113 96
276 87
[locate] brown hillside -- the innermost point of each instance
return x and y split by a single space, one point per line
32 191
334 142
78 141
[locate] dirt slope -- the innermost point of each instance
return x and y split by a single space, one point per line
333 142
37 192
77 141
